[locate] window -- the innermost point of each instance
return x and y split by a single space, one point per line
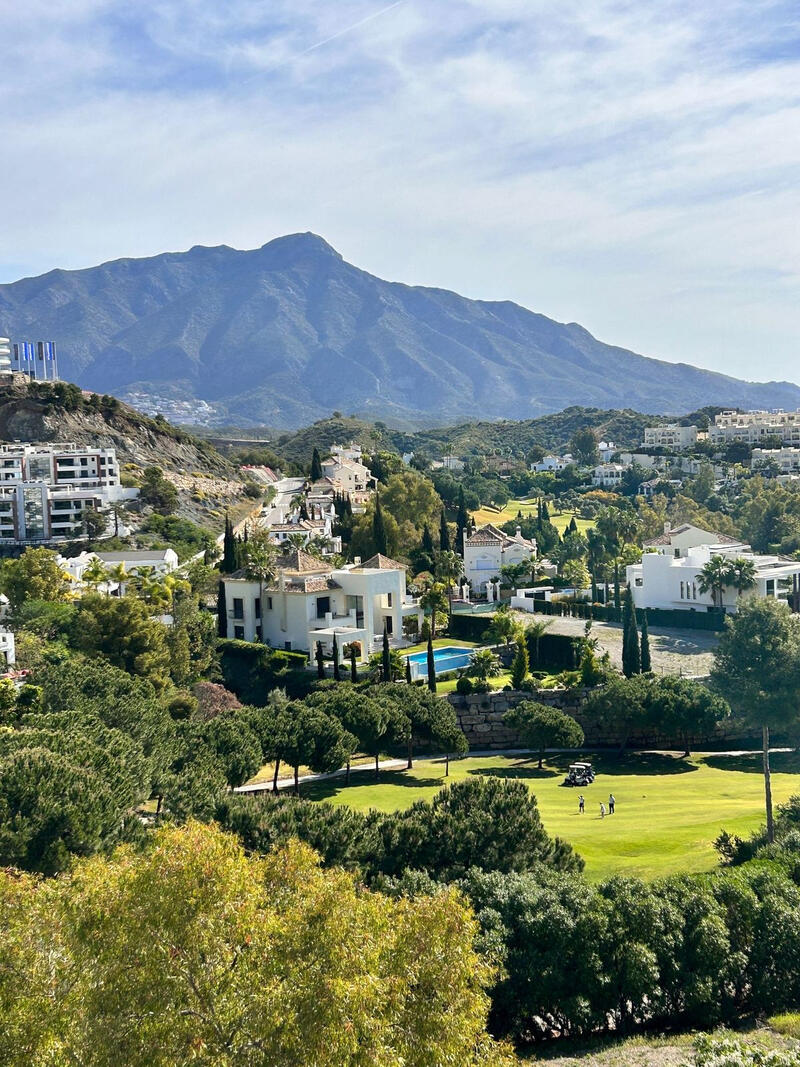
287 646
388 600
258 633
238 607
257 607
677 553
323 606
388 621
269 603
681 590
238 633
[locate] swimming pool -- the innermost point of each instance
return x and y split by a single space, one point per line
449 658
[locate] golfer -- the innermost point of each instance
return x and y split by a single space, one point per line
581 804
611 803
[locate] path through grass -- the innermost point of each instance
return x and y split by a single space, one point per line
669 810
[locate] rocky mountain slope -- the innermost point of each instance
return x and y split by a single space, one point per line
284 334
206 482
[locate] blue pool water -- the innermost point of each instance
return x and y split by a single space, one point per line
448 658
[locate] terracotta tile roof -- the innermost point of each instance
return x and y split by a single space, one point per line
299 562
383 563
719 539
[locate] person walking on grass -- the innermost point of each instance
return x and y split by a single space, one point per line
581 804
602 810
611 803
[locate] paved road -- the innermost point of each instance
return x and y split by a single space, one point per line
671 651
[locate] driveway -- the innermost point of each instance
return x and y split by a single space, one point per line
672 651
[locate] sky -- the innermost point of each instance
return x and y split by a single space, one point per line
634 167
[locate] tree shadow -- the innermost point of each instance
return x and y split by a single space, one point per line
333 787
629 763
750 762
524 769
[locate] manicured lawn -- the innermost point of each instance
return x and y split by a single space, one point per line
504 678
440 642
528 507
669 810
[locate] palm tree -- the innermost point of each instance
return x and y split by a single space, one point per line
536 630
434 600
713 578
94 574
261 561
118 575
741 574
297 540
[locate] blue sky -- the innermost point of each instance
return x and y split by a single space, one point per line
634 167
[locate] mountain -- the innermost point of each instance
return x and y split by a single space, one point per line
284 334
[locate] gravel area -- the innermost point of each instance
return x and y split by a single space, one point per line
689 652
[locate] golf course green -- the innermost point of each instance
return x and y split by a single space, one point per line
669 809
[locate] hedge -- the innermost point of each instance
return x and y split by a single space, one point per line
251 670
469 627
667 617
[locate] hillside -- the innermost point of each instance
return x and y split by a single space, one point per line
284 334
506 437
206 482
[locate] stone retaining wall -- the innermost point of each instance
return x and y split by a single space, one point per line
480 716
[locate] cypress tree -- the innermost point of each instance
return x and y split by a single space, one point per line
573 526
320 661
353 664
316 465
519 668
427 540
222 611
545 511
631 662
616 585
431 666
444 533
644 648
337 676
408 670
379 527
462 521
228 562
303 510
386 662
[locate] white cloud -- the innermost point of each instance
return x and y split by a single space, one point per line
629 166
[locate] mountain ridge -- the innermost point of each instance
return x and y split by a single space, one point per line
285 333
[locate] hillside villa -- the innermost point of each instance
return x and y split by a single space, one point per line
487 549
671 565
310 601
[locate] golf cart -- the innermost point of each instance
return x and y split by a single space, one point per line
579 774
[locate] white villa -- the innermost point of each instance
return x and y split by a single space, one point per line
488 549
310 601
280 532
160 561
668 575
608 475
552 463
346 470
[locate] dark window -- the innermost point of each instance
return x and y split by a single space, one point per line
238 633
238 607
323 606
287 646
257 606
258 633
388 600
388 621
269 603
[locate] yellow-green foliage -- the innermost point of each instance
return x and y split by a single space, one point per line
193 952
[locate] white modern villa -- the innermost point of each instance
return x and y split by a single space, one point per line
488 549
668 575
310 601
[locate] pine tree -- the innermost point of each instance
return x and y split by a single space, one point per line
379 527
631 662
316 466
431 666
228 562
222 611
462 521
427 540
444 534
519 668
644 648
337 676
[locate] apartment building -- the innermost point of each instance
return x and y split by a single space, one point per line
46 490
786 459
753 426
671 435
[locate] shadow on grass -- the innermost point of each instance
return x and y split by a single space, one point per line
780 762
523 769
556 764
332 787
